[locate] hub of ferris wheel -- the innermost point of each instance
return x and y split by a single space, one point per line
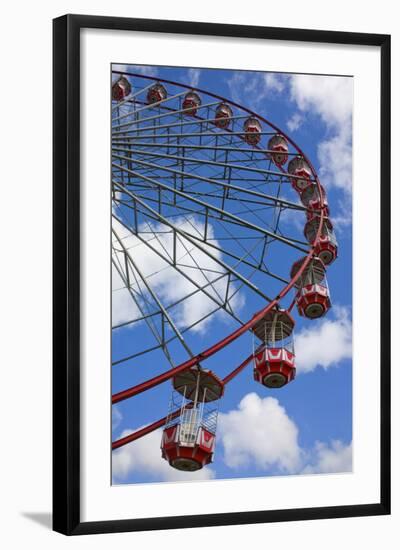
188 440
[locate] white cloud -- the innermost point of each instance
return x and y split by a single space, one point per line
251 89
330 458
123 307
324 345
116 417
294 122
143 456
330 98
274 82
343 216
169 285
194 77
335 158
248 89
259 433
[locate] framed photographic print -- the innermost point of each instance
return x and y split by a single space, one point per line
221 274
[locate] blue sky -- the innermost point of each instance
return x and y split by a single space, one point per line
306 426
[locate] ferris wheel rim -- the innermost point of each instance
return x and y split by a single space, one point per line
130 392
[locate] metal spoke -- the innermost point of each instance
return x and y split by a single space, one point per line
262 152
146 318
222 212
191 159
176 266
193 240
162 115
164 312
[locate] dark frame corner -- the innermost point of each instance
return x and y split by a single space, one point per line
66 270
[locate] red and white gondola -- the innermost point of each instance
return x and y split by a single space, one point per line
223 116
191 103
156 93
252 131
121 89
299 168
188 439
279 149
274 358
312 296
326 245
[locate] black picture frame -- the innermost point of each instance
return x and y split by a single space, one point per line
66 273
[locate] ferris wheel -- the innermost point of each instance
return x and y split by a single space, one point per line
213 206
